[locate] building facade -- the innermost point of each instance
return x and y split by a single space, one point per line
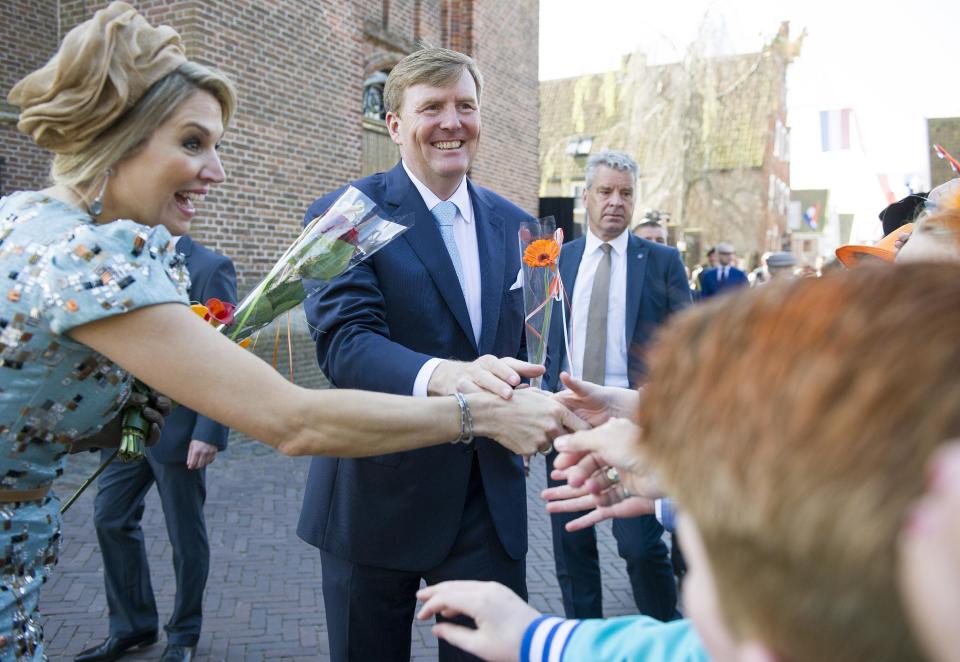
300 69
709 133
943 131
307 75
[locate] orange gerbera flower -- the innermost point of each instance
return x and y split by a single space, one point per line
541 253
201 310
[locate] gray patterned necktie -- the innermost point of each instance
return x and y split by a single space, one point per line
445 213
595 342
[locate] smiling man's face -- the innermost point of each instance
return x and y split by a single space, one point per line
438 130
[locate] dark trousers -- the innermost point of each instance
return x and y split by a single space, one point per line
118 510
639 543
370 610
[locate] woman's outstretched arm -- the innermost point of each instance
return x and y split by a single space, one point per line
169 348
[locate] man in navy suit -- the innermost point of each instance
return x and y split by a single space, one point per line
426 315
188 443
622 288
724 276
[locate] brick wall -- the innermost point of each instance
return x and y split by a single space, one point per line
297 132
505 47
299 69
28 36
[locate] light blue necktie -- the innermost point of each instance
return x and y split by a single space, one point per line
445 213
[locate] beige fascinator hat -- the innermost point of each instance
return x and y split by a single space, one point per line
103 67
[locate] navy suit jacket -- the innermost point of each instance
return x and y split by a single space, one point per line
375 327
710 285
211 275
656 287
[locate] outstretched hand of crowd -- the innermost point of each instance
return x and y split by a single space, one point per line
607 505
606 474
499 616
597 404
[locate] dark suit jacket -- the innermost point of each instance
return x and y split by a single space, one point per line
375 327
710 286
656 287
211 275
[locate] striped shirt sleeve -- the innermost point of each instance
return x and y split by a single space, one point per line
546 638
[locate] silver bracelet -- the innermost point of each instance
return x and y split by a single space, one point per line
466 421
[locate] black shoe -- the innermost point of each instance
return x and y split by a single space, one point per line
113 648
177 654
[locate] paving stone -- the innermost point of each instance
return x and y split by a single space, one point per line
263 599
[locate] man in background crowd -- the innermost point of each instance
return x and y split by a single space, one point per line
724 276
651 231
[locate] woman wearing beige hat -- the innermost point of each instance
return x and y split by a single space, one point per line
89 298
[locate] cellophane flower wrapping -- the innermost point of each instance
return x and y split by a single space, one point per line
540 243
352 229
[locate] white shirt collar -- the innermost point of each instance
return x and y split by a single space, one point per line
619 244
460 197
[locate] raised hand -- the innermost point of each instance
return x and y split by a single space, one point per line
597 404
501 617
586 457
612 503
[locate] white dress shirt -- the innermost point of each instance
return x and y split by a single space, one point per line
465 234
616 359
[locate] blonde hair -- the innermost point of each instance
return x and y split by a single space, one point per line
438 67
84 169
799 474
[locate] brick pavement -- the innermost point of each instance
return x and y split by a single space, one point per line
263 598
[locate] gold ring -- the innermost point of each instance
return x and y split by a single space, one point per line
546 449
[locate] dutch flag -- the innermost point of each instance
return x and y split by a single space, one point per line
834 129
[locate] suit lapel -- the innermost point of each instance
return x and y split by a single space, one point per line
185 246
636 271
424 238
491 248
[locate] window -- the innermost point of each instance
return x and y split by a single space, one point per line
781 142
373 107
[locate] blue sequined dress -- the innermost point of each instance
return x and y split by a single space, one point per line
59 270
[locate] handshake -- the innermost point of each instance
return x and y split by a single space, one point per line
528 420
522 419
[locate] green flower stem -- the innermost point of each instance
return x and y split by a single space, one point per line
254 300
134 428
88 482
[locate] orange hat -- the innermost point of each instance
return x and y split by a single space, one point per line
852 254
